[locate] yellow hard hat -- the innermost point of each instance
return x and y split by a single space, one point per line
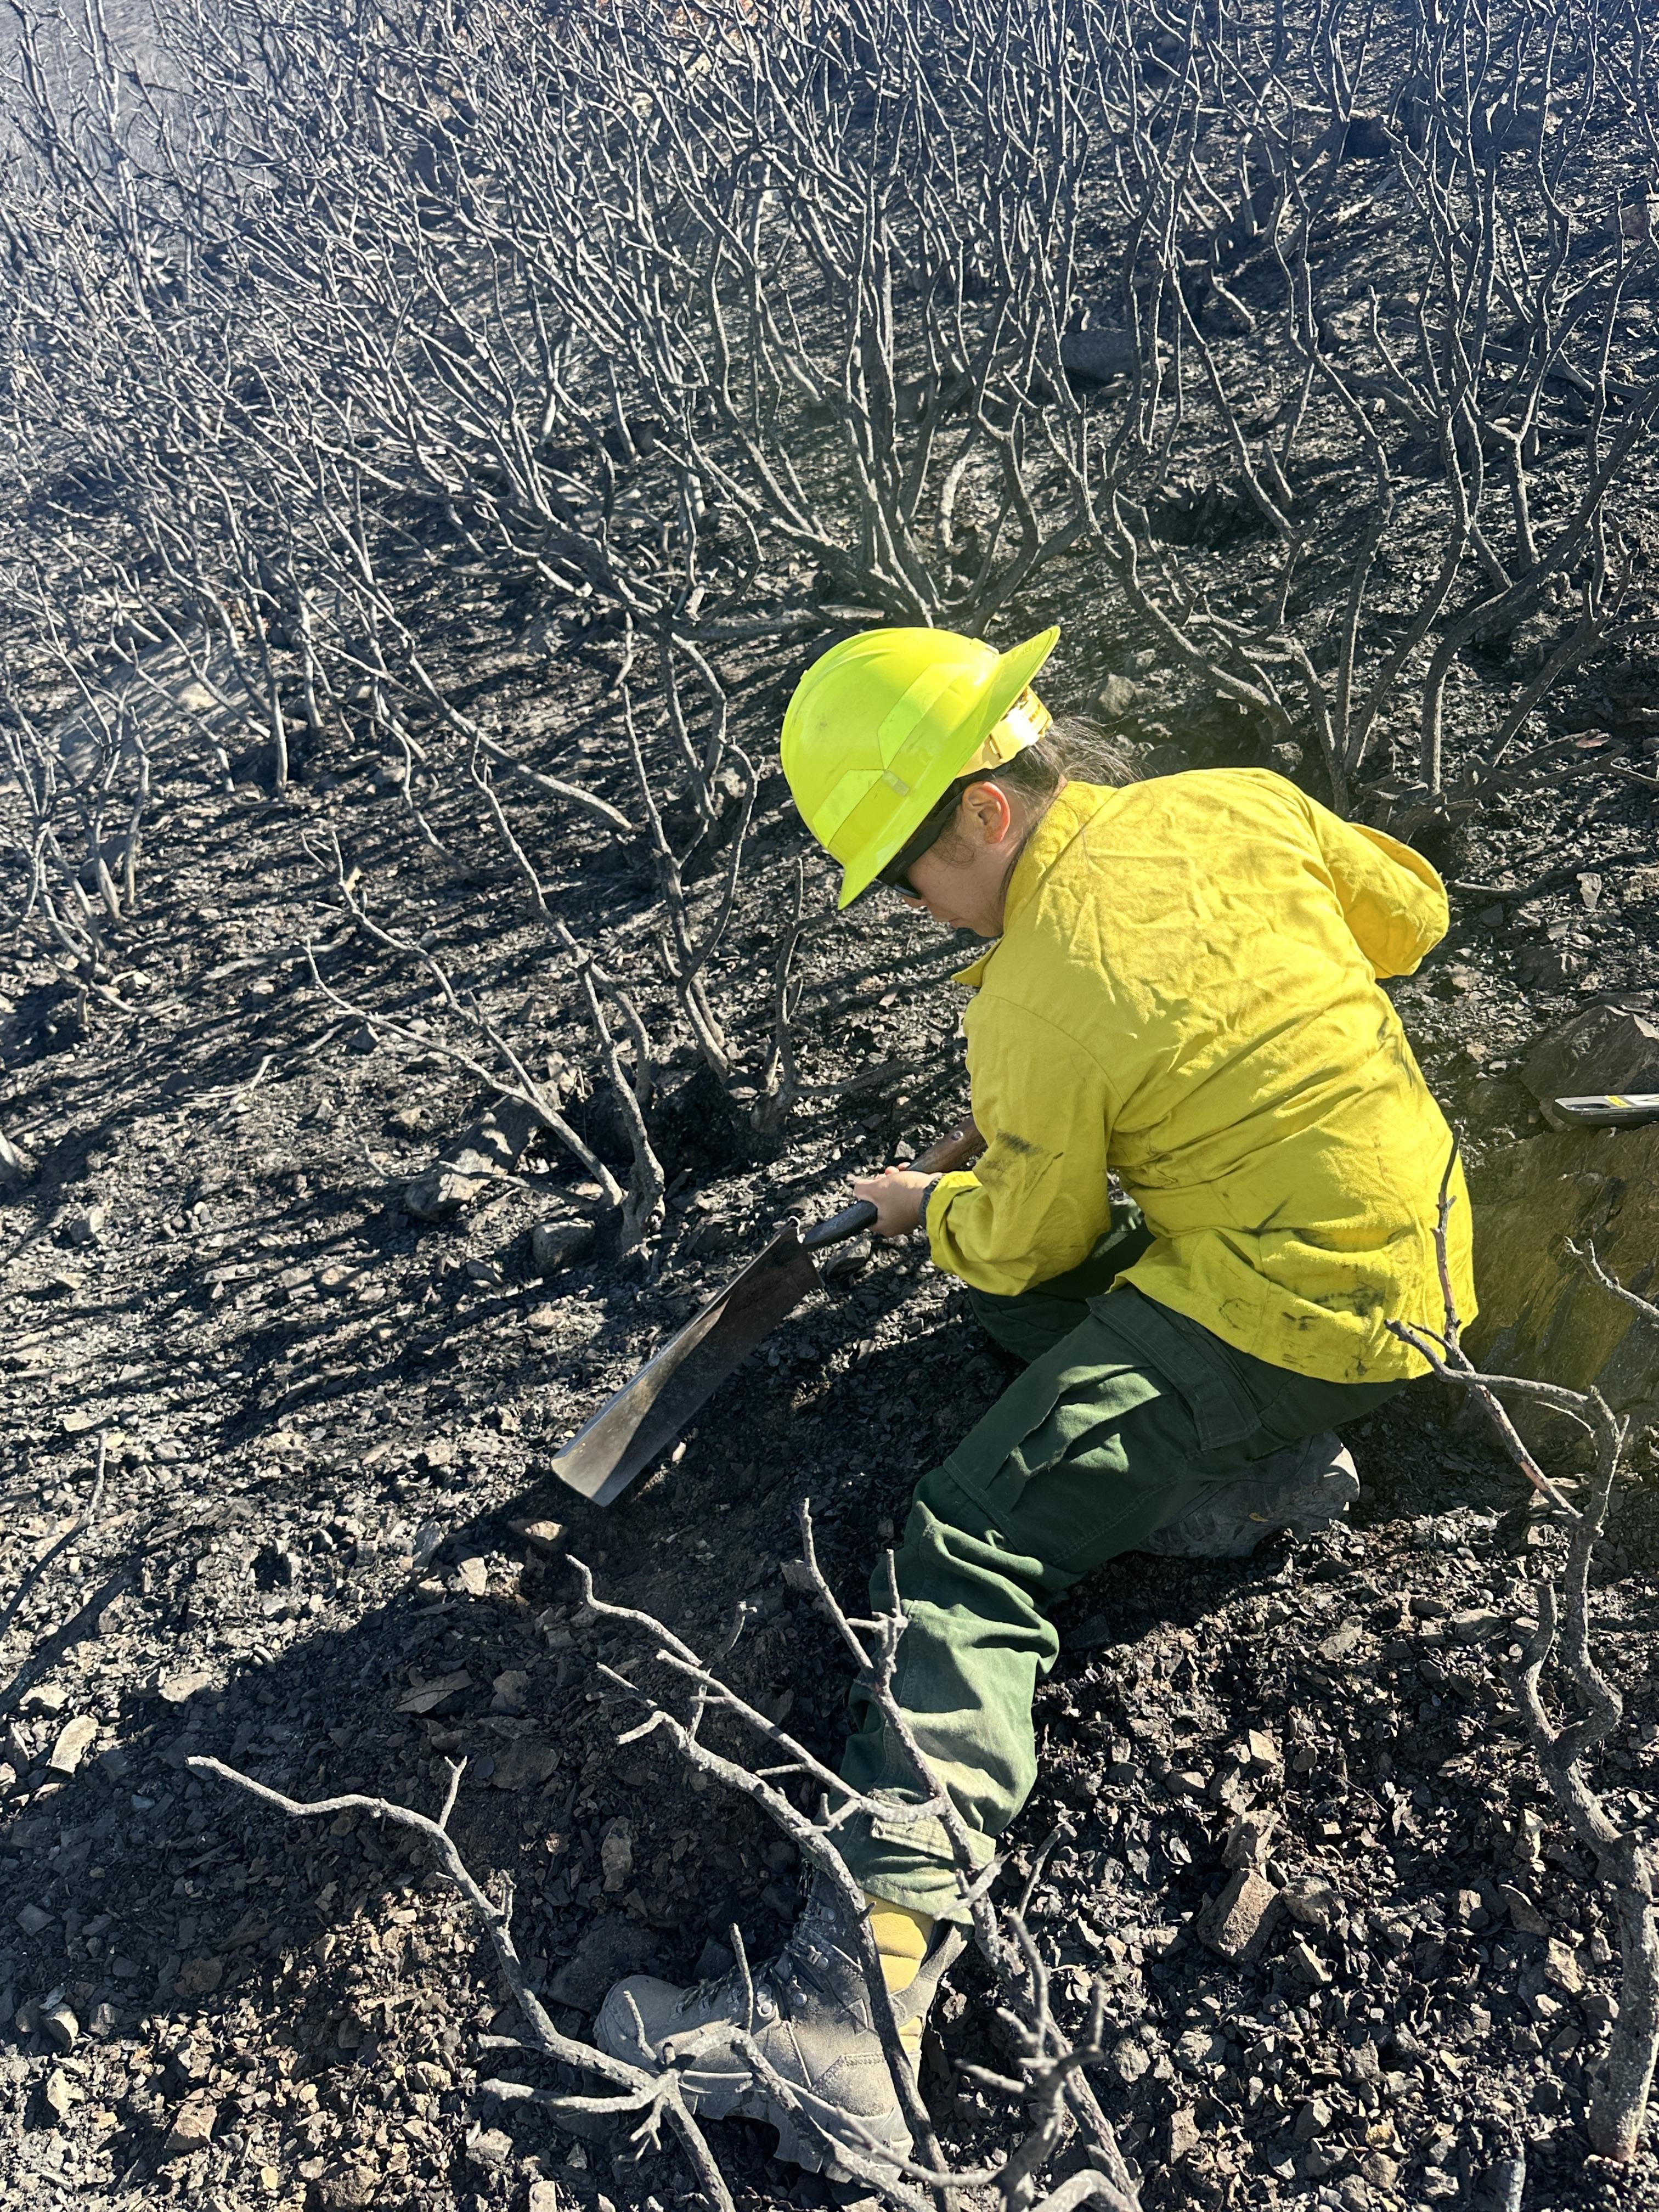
882 723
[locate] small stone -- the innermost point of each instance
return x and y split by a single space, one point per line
349 2187
1477 1625
1467 1905
61 2095
45 1698
427 1697
72 1743
1561 1966
1183 2134
1201 2047
1248 1837
488 2147
1523 1913
1233 1921
61 2025
1313 2119
1311 1903
542 1536
483 1271
616 1855
1341 1641
510 1688
32 1920
543 1319
1302 1959
179 1689
472 1577
200 1978
1116 697
525 1764
1600 2008
84 1228
544 2197
554 1245
612 1947
1130 2060
1380 2170
1263 1751
362 1040
192 2128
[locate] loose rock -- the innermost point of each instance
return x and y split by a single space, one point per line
1311 1903
617 1854
1234 1920
542 1536
192 2128
610 1948
555 1244
180 1688
1561 1966
72 1743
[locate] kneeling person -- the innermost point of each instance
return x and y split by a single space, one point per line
1211 1177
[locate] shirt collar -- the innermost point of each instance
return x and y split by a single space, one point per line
1076 805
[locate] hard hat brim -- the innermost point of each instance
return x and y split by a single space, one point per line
1015 670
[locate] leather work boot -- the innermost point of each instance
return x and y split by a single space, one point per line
811 2020
1302 1488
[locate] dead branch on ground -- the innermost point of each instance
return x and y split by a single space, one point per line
1052 2076
653 2097
1564 1750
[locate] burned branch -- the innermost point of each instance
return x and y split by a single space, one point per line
1565 1749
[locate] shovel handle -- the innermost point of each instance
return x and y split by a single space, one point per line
851 1221
953 1151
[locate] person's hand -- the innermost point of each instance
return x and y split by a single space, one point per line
896 1195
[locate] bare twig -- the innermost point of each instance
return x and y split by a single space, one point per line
646 2092
1619 2107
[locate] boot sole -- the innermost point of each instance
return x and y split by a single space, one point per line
715 2097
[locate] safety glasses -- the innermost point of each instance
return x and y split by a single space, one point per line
932 828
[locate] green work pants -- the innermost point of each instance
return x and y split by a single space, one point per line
1126 1414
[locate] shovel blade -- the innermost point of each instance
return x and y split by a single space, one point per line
632 1427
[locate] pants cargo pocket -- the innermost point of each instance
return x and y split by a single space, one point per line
1050 1464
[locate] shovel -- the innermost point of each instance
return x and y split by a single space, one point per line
632 1427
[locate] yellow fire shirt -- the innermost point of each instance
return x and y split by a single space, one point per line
1185 992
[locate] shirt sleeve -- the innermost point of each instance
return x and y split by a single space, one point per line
1394 902
1038 1198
